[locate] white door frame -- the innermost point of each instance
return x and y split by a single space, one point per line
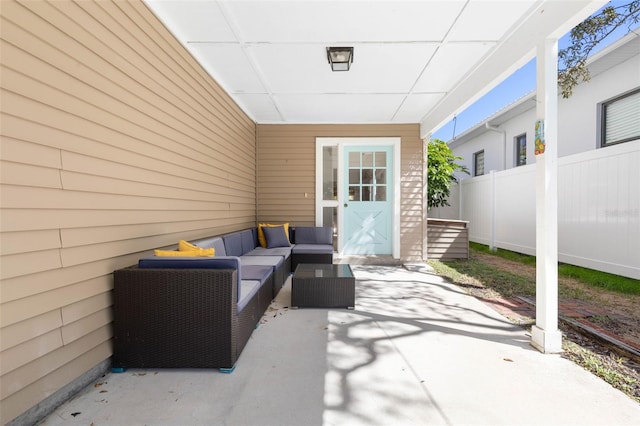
322 142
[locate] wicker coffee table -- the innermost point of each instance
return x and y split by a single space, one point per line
323 286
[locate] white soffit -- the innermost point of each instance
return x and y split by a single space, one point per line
414 61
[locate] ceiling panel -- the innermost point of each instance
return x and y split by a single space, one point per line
488 20
450 63
262 106
415 61
377 68
193 19
338 21
413 107
229 65
338 108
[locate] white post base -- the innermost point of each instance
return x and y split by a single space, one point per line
547 342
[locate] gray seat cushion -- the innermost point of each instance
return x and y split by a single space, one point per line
256 272
313 248
273 261
277 251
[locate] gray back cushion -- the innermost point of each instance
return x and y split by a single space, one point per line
214 243
249 240
233 244
314 235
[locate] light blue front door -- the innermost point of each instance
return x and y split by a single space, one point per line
368 205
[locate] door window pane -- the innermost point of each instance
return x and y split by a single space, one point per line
367 176
330 218
366 193
330 173
381 193
367 159
381 159
354 176
354 159
381 176
354 193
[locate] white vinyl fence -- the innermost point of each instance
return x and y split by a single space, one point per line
598 209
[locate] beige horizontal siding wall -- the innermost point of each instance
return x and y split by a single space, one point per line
286 171
114 142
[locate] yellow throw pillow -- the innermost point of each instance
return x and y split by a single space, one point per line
207 252
192 253
186 246
261 238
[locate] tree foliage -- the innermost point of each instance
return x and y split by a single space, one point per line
441 166
585 36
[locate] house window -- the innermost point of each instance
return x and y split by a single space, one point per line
619 119
521 150
478 163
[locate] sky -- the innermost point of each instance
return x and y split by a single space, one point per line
520 83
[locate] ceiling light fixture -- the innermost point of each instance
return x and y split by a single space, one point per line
340 58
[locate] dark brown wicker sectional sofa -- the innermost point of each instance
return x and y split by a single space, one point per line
198 312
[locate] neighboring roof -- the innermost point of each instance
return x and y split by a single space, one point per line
414 61
616 53
518 107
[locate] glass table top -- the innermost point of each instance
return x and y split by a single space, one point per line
323 270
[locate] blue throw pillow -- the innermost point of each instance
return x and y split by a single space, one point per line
275 236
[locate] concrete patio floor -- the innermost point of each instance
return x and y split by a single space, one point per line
416 350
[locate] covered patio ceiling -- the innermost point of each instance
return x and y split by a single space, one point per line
414 61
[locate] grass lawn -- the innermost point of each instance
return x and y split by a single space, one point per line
590 277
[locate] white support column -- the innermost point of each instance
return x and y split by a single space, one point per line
545 335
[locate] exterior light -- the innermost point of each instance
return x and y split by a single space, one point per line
340 58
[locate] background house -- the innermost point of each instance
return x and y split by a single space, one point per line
615 78
598 181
